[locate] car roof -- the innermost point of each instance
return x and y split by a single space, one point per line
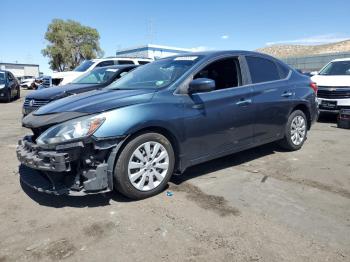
117 66
120 58
213 54
341 59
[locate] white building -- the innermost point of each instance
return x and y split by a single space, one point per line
21 70
151 51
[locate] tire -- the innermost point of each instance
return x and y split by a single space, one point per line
295 142
150 175
8 96
18 95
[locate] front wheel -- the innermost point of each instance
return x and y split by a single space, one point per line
295 131
144 166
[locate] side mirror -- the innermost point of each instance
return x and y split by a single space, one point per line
313 73
201 85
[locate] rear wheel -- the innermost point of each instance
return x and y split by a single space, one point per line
8 96
295 131
18 95
144 166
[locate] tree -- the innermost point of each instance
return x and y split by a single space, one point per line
70 43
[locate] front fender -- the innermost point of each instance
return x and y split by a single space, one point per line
129 120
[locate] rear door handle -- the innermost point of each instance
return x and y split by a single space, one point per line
287 94
244 102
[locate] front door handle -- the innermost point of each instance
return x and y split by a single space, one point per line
198 106
287 94
244 102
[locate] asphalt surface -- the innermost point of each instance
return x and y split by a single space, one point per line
262 204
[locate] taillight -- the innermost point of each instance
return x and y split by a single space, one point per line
314 86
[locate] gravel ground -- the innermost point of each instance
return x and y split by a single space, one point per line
258 205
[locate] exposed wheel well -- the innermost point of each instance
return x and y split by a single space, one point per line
306 111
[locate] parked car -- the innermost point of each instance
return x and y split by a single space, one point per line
38 82
45 82
27 81
161 119
333 82
97 78
9 86
63 78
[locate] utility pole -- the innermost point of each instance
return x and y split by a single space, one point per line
151 35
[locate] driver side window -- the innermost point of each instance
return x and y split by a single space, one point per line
225 72
105 63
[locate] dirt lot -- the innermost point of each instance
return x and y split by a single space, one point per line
259 205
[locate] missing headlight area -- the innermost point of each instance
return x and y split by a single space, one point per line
72 168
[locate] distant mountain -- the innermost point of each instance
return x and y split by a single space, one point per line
283 51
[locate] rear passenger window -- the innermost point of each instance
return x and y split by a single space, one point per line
262 69
125 62
143 62
105 63
284 70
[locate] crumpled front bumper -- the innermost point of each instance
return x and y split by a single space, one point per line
62 172
31 156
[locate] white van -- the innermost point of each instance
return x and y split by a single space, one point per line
63 78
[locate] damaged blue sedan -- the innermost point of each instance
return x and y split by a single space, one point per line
163 118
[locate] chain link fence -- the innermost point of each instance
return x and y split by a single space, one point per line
315 62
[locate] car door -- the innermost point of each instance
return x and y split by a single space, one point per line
219 121
11 84
272 97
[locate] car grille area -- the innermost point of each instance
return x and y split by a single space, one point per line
35 103
339 92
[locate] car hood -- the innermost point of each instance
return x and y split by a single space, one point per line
96 101
53 93
323 80
66 77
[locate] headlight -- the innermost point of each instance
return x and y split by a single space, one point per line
71 130
2 86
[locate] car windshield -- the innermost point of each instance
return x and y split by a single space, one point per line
336 68
158 74
83 66
2 78
96 76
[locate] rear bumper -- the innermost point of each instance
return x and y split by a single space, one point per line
65 171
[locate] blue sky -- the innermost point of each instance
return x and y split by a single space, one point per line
248 24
